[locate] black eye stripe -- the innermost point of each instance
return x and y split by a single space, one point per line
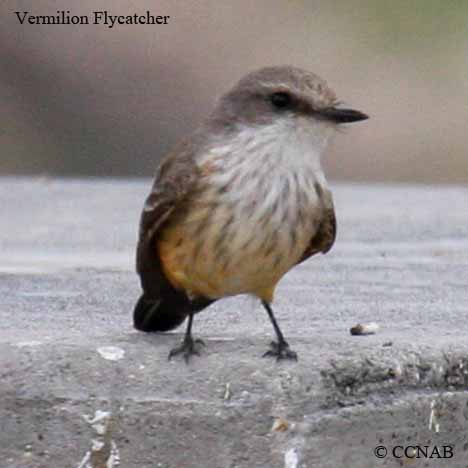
281 100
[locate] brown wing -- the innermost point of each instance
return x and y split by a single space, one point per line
324 238
175 179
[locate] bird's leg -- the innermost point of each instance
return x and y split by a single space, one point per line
279 349
189 346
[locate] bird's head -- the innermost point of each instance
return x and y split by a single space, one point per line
286 94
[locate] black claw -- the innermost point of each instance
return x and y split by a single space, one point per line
188 348
280 351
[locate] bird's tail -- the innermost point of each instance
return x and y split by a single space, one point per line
165 312
160 314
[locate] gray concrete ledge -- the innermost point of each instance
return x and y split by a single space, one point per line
80 388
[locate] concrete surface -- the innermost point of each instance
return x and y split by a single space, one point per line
80 388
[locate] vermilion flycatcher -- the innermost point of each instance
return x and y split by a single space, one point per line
240 202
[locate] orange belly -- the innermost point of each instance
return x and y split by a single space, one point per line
198 271
251 261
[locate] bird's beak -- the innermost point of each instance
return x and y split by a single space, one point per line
339 115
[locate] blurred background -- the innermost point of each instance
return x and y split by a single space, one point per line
89 100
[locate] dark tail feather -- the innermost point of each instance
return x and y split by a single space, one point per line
165 313
159 314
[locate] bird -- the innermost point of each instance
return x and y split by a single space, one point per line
239 203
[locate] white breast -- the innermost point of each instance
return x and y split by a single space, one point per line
267 166
268 208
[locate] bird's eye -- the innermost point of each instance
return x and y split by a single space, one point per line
281 100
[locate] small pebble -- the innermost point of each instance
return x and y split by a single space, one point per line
227 392
280 425
364 329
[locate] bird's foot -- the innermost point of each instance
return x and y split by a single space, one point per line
187 348
280 350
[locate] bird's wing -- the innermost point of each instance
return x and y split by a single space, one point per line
324 237
176 177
